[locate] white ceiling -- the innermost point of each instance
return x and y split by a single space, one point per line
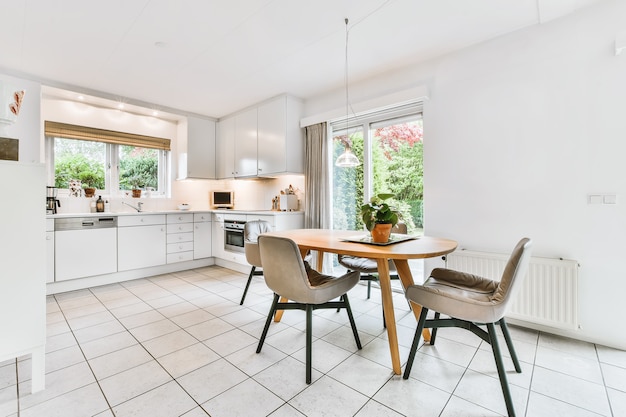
219 56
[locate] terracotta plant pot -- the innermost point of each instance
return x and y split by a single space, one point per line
381 232
136 193
90 192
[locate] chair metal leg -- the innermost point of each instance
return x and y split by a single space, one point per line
509 344
493 339
369 288
309 341
352 323
245 291
267 323
416 340
433 332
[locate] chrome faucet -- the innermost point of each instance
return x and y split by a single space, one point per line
138 208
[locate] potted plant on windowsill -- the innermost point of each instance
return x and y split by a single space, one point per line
379 217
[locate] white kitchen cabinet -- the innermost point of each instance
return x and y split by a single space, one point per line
246 143
23 260
197 153
280 138
49 250
202 235
141 241
179 237
262 141
217 235
225 148
83 253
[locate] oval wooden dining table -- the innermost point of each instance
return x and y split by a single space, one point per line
334 241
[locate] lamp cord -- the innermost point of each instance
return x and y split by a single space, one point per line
348 141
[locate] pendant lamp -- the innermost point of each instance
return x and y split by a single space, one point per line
347 159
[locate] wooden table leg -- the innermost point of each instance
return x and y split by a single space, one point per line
404 272
320 261
390 318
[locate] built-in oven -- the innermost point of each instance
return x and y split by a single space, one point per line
233 235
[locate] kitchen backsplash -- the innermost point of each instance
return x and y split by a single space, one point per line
249 195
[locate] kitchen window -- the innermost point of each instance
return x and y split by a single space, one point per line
112 162
389 146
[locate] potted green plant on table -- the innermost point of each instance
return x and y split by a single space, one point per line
379 217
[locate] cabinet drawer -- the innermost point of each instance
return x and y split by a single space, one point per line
180 227
179 237
202 217
180 218
179 247
179 257
140 220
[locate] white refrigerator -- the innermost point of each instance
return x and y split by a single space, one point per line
22 265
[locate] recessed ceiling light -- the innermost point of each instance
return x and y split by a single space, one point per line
120 106
81 98
155 113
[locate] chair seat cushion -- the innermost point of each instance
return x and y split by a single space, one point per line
364 265
460 295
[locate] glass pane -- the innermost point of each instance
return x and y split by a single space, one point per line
398 168
79 160
347 183
139 168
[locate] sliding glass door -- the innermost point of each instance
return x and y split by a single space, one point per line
390 152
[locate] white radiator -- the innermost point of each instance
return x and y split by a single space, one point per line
549 293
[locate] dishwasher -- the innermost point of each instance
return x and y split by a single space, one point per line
84 246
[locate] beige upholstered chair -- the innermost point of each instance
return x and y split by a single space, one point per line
251 232
292 278
471 300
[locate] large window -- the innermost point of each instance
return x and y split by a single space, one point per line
112 162
389 146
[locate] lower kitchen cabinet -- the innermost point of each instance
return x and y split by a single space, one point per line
84 253
141 246
49 250
179 237
202 228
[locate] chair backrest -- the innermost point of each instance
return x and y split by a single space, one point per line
514 272
283 268
251 232
253 228
400 228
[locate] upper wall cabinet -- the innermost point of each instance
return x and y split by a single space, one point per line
280 138
197 153
246 143
225 149
265 140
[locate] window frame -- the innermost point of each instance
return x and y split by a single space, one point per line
111 169
367 122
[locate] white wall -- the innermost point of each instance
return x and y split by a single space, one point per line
518 131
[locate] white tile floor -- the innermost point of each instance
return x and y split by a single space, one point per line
181 345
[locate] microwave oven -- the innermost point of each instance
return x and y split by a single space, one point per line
222 199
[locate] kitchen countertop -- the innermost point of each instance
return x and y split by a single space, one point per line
173 211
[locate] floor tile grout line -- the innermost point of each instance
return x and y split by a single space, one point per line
85 356
159 363
606 388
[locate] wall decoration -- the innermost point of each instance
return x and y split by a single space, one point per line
11 99
9 149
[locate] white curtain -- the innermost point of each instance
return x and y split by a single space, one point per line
316 178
